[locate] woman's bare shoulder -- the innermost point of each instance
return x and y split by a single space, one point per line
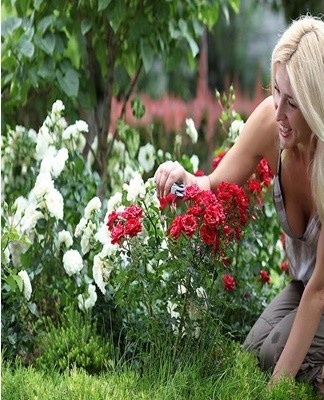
260 134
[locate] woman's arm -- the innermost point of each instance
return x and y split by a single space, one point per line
258 139
307 319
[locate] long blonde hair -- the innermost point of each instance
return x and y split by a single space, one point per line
301 48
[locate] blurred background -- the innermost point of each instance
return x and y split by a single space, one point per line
65 54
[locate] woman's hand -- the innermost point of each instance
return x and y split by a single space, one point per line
168 173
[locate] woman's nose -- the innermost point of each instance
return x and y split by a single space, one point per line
279 114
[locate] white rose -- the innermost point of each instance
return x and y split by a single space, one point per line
191 130
65 238
72 262
26 284
136 187
55 204
101 272
30 218
59 162
43 185
80 227
58 107
194 162
146 157
89 302
82 126
48 160
93 205
113 201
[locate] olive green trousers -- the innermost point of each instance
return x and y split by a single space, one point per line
269 334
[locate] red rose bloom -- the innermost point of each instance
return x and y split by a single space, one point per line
199 172
228 282
208 234
283 240
112 217
191 192
254 186
218 159
164 201
214 215
176 227
117 233
132 227
189 224
284 266
132 211
264 276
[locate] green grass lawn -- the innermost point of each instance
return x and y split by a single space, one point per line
227 373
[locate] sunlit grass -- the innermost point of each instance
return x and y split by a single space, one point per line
216 370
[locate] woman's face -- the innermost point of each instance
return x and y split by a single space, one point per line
293 128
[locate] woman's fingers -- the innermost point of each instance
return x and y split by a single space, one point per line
166 175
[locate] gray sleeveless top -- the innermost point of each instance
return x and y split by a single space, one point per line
301 251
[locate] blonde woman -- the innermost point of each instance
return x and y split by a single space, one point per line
287 129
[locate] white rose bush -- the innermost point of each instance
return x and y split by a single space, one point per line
147 265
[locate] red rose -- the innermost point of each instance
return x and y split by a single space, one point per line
117 233
191 192
132 227
189 224
254 186
283 240
199 172
176 227
208 234
164 201
264 172
284 266
228 282
264 276
112 217
214 215
132 211
218 159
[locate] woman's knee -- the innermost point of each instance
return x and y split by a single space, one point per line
269 354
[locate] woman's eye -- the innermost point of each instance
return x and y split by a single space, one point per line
292 104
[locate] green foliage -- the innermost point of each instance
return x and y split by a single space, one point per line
205 369
75 51
63 256
32 221
74 343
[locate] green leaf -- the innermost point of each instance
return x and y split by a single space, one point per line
116 14
19 282
103 4
138 108
147 54
46 70
130 137
69 82
9 25
32 307
86 25
48 44
193 45
10 280
26 47
37 4
45 23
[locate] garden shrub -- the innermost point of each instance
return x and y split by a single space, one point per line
58 250
75 343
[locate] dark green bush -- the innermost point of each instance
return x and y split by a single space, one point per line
74 343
